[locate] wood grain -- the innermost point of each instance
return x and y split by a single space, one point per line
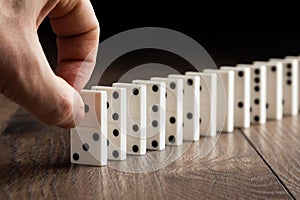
278 142
7 110
34 164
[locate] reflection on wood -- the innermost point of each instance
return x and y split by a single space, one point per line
34 163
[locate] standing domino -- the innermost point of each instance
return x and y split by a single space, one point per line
191 109
273 88
225 99
88 139
156 107
136 117
116 122
258 96
290 85
298 59
208 103
173 110
241 96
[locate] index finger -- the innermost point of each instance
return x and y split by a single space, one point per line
77 29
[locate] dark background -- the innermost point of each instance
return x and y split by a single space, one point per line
232 33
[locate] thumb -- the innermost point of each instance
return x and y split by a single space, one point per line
58 103
34 86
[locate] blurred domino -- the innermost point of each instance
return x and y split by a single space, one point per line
290 85
208 103
298 82
191 110
225 99
258 96
136 117
241 96
116 122
298 59
273 88
88 139
173 109
156 117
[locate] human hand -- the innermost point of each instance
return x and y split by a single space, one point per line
25 74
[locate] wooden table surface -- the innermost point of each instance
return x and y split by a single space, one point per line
256 163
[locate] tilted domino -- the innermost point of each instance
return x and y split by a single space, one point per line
116 122
88 139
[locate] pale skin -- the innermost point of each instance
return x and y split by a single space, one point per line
25 74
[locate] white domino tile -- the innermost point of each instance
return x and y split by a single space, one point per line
88 139
156 113
136 117
273 89
173 123
88 146
298 59
289 85
298 83
208 103
116 122
258 96
191 109
93 102
225 99
241 96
